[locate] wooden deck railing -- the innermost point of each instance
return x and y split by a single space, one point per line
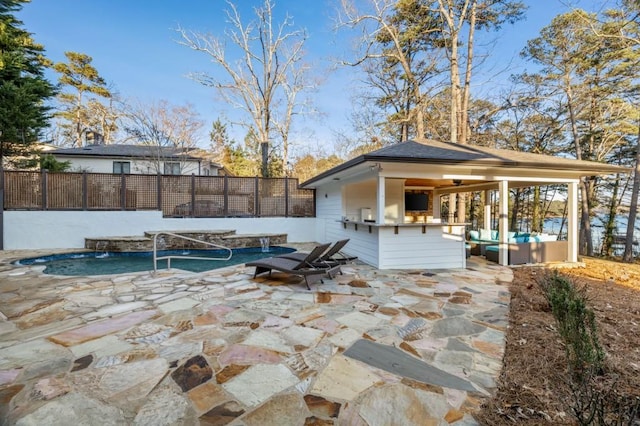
175 196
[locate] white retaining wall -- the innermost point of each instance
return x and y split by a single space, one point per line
68 229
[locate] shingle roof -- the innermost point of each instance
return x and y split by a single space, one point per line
128 151
446 153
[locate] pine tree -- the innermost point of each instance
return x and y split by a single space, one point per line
23 88
83 79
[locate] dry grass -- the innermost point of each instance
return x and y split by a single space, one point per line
533 386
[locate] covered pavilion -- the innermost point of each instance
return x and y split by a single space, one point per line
367 199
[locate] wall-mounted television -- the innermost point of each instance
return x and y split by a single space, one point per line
416 201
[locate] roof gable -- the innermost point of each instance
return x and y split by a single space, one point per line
125 151
447 153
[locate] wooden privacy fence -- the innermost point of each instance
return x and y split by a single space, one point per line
176 196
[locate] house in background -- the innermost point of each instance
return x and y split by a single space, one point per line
138 159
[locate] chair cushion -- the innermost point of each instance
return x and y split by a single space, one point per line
494 234
492 248
474 235
485 235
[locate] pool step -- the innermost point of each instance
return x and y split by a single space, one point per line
226 238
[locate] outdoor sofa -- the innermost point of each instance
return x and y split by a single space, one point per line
523 247
479 239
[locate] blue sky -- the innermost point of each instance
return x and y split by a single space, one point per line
134 47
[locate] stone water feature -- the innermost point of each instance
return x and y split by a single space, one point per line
225 238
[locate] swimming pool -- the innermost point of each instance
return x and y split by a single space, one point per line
104 263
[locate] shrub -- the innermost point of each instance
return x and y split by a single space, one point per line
576 324
596 400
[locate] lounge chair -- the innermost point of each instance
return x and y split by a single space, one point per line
332 257
308 268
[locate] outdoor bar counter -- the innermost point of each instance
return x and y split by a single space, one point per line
414 245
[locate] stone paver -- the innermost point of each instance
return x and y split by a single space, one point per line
368 347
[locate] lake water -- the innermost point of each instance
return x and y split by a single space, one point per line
552 226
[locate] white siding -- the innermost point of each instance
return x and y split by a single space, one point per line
105 165
360 195
381 248
394 200
362 243
328 212
68 229
364 194
410 249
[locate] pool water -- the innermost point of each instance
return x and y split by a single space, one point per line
97 263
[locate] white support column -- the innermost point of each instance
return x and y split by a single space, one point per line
572 223
436 205
380 200
487 209
503 220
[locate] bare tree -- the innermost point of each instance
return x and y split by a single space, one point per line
394 42
420 37
256 79
104 118
456 17
163 128
296 83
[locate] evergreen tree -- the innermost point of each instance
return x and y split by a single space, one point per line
588 78
23 88
236 159
221 143
49 162
84 80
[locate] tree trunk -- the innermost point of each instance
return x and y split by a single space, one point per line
264 146
586 244
610 226
473 210
515 208
536 212
463 106
463 122
565 212
420 129
79 121
455 91
285 155
633 209
585 241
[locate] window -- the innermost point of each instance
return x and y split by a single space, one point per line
121 167
171 168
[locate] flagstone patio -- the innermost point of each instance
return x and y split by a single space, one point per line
369 347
